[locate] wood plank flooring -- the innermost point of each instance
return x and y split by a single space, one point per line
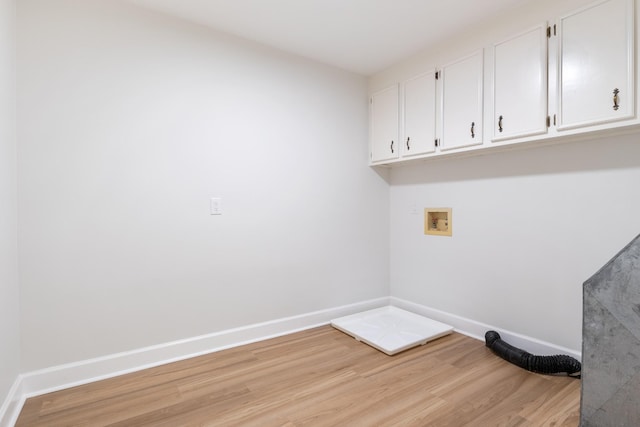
320 377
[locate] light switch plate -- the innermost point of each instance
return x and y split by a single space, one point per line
216 206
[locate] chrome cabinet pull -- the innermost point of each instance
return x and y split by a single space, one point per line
392 147
616 91
408 147
500 124
473 125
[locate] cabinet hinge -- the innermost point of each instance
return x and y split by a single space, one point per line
548 121
437 75
548 32
554 29
554 119
436 141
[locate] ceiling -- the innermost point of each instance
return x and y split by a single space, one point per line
362 36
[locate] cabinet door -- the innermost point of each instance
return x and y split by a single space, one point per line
419 115
462 102
596 65
384 125
520 85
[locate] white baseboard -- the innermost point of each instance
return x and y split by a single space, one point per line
477 330
12 405
86 371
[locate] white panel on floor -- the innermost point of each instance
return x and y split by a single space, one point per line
390 329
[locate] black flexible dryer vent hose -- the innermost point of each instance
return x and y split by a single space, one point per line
540 364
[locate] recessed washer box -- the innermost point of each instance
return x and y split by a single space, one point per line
438 221
391 329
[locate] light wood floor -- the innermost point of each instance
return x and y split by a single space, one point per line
320 377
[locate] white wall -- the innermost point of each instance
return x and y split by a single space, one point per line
9 294
529 226
129 122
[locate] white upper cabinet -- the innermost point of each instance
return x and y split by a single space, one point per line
596 65
574 76
462 88
384 125
419 115
520 85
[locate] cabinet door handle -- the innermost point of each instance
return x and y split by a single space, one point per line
473 125
408 147
392 146
500 124
616 91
